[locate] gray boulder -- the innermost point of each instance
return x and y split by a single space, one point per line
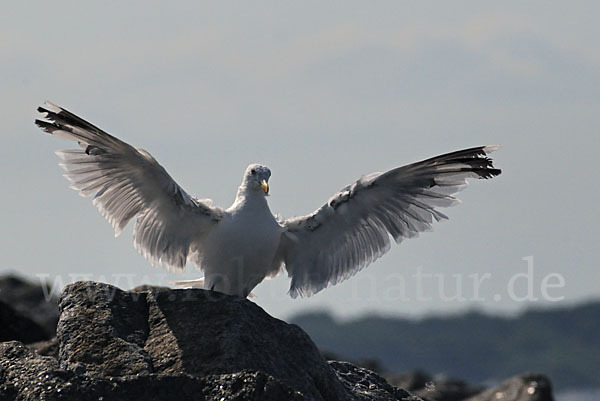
367 384
27 376
105 332
154 343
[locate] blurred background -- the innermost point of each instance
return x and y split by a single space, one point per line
322 94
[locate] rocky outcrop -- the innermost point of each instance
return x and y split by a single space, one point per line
30 377
155 344
368 384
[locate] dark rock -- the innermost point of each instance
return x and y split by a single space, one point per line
367 384
154 343
23 372
526 387
434 389
102 331
31 300
105 332
411 381
14 326
28 376
372 364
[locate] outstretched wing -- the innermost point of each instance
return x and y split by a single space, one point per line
354 227
127 182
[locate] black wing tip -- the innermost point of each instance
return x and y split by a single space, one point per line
50 114
486 169
65 120
488 173
46 126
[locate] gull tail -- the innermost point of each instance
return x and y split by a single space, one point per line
197 283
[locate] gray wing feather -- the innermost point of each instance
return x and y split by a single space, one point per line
127 182
355 226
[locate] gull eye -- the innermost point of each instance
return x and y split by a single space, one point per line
253 171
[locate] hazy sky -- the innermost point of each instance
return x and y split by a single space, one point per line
321 93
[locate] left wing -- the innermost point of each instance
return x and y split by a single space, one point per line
126 183
354 227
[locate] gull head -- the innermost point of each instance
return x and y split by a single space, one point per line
256 178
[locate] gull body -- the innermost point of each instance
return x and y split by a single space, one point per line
239 251
238 247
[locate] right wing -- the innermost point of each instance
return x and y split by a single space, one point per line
354 227
127 182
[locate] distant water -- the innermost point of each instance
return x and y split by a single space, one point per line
578 395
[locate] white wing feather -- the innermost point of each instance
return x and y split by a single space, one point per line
127 182
354 227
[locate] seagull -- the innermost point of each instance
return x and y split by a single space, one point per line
240 246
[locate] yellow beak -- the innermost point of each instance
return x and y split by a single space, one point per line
264 186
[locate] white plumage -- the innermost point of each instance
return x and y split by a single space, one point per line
238 247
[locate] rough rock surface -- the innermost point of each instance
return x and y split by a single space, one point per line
32 301
154 343
27 376
106 332
367 384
